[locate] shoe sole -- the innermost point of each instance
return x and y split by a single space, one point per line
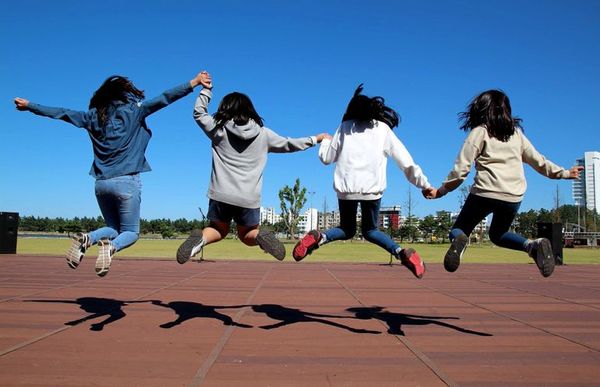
184 252
457 248
74 254
409 264
104 258
312 246
269 243
544 258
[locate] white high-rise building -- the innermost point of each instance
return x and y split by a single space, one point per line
269 216
309 220
586 190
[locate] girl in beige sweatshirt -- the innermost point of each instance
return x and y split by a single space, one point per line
498 147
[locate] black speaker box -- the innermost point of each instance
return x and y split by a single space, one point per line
554 233
9 227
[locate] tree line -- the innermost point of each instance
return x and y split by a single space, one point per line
428 228
166 228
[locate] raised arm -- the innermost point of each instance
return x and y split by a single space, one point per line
150 106
279 144
411 170
329 147
464 160
204 120
74 117
543 166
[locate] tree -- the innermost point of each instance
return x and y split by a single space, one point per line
427 226
291 202
444 224
526 223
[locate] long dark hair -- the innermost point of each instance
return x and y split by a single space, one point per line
492 110
237 107
114 88
363 108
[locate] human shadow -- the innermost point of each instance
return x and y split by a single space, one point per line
395 321
97 307
287 316
186 310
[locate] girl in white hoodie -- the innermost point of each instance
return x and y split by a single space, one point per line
360 148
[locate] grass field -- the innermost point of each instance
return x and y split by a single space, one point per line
355 251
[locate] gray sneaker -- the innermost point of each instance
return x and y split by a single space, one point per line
79 245
190 247
455 252
105 254
541 251
270 244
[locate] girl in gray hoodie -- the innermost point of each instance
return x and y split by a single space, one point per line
240 144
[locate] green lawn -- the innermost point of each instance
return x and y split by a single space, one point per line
354 251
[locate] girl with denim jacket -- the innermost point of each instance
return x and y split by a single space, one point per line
116 124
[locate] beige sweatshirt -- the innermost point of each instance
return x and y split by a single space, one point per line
499 166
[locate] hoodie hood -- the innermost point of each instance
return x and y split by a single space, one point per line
244 132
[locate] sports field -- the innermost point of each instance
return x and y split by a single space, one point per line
355 251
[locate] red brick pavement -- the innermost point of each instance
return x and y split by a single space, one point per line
240 323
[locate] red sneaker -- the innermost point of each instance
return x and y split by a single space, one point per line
306 245
413 262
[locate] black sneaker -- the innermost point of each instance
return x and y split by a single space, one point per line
192 246
455 252
541 252
270 244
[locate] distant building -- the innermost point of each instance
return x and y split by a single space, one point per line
328 220
309 220
389 217
586 189
268 215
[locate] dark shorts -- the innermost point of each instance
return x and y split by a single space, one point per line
223 212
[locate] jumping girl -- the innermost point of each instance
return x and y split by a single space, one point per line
360 148
117 128
240 144
498 147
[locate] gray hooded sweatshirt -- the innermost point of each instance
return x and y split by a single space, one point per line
239 155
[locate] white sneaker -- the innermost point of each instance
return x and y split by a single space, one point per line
105 254
79 245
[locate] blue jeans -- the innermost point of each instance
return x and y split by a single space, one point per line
119 199
476 208
370 217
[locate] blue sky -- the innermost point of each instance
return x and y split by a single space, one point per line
299 62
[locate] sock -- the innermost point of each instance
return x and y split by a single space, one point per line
197 248
323 239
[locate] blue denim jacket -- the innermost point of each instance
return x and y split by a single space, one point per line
120 145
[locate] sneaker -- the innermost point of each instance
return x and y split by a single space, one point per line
412 261
79 245
106 250
306 245
541 251
192 246
455 253
270 244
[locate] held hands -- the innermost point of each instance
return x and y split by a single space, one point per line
203 78
206 80
322 136
430 193
21 103
574 172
